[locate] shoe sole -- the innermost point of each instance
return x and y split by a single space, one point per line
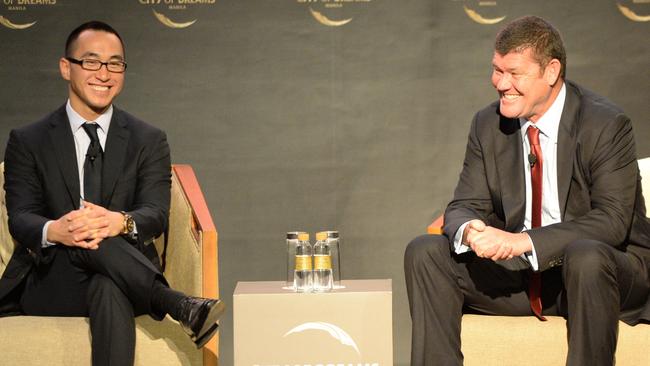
210 325
201 341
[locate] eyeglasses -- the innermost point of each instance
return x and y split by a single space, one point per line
94 65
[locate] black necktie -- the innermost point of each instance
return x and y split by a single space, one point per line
93 165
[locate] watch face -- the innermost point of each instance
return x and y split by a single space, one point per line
129 224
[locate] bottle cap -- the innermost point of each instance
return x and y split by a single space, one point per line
321 236
293 234
303 237
332 234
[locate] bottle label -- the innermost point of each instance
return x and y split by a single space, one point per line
322 261
303 263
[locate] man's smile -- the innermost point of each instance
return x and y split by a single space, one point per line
510 96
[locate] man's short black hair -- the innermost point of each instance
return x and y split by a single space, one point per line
535 33
92 25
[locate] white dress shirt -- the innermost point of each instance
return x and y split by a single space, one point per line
548 125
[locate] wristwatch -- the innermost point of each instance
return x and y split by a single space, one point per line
128 226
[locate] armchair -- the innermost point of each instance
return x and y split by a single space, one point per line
191 267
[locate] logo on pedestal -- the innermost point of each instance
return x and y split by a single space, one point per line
317 344
334 331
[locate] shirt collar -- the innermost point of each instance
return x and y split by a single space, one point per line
549 123
104 120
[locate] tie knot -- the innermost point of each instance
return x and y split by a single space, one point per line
91 131
533 135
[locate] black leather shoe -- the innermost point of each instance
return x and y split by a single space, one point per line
198 317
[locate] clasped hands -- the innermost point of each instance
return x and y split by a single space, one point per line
492 243
85 227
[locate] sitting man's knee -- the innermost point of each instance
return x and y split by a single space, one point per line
588 257
100 284
426 246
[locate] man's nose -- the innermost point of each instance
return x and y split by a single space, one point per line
504 82
103 73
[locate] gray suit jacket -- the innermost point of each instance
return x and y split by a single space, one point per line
598 180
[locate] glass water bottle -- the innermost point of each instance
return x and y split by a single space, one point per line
334 243
323 280
303 264
292 245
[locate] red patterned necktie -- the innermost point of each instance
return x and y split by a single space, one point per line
535 284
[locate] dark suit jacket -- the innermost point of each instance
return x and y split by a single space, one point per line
598 180
42 183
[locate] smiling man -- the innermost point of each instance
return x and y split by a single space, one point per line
87 191
548 216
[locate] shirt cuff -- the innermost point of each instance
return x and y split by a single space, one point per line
44 242
459 246
531 256
134 234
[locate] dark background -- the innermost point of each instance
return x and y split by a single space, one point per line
294 125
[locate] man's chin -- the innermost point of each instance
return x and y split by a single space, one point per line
100 108
508 112
99 102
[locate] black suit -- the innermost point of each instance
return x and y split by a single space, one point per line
42 184
603 221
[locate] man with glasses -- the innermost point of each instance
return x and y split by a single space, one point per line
87 191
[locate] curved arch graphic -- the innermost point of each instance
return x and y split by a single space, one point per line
334 331
632 15
7 23
475 16
322 19
171 24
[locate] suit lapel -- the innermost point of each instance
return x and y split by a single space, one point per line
64 148
509 163
115 152
566 144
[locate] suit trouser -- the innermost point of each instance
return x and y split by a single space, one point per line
110 285
593 286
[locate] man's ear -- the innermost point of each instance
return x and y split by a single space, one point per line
552 71
64 68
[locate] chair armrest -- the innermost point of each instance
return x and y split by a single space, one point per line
191 257
202 228
436 226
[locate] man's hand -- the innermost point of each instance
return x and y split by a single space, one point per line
85 227
114 221
495 244
473 227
